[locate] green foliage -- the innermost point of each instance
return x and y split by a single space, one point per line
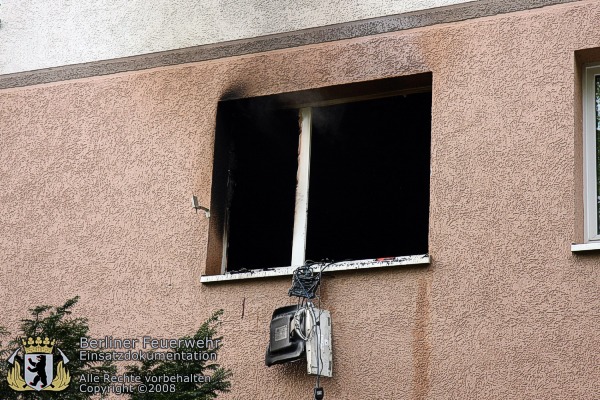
201 391
55 323
4 354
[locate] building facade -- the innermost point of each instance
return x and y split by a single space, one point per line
493 294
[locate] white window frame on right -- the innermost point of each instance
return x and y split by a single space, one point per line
591 119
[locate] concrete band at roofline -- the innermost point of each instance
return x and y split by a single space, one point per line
148 342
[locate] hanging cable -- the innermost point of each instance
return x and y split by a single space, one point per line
306 285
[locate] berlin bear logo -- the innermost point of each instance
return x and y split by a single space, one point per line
38 367
40 370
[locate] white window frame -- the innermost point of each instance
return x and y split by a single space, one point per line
301 211
589 155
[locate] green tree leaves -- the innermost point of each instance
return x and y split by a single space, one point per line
219 377
55 323
59 323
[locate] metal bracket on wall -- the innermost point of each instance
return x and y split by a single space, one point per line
199 207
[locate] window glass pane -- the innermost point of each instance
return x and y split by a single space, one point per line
597 107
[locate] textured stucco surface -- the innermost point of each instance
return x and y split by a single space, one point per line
40 34
97 176
284 40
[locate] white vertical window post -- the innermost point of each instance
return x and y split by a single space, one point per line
300 215
590 108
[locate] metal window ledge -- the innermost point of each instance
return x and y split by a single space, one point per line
340 266
578 247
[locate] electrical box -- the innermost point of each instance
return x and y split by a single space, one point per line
285 345
301 332
318 346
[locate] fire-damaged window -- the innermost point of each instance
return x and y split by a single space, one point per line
340 174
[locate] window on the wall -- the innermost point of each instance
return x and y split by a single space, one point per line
340 174
591 109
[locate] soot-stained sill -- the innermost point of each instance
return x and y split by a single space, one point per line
340 266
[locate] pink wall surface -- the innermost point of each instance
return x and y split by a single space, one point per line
97 176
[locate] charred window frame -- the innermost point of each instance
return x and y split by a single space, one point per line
339 173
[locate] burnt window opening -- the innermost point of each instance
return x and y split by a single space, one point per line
369 179
366 195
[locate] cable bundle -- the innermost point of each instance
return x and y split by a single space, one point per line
305 283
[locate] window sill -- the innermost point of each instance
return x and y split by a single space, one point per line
577 247
340 266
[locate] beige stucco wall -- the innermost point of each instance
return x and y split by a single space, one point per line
97 175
